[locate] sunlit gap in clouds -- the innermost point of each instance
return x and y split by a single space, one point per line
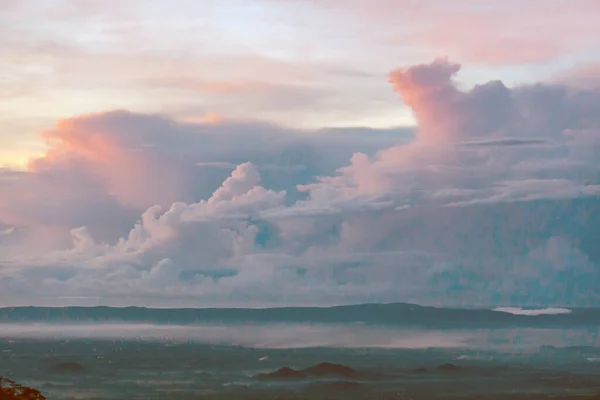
18 159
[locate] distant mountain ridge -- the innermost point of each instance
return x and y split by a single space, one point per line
394 314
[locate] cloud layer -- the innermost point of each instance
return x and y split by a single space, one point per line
267 63
494 201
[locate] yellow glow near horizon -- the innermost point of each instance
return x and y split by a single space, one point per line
17 159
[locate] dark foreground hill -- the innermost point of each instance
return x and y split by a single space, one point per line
10 390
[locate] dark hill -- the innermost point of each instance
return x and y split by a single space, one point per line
328 370
69 367
10 390
322 370
448 367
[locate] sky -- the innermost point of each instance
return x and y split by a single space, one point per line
296 152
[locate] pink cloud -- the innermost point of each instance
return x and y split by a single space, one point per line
120 163
96 172
443 111
502 33
8 4
428 91
490 32
208 86
583 76
502 128
91 144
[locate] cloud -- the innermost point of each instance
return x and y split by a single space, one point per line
583 76
264 96
272 336
540 31
7 5
438 167
494 44
543 311
493 202
168 71
491 109
103 170
508 142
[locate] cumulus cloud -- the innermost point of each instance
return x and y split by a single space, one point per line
494 202
439 166
103 170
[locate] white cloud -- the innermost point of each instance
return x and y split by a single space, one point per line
533 313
